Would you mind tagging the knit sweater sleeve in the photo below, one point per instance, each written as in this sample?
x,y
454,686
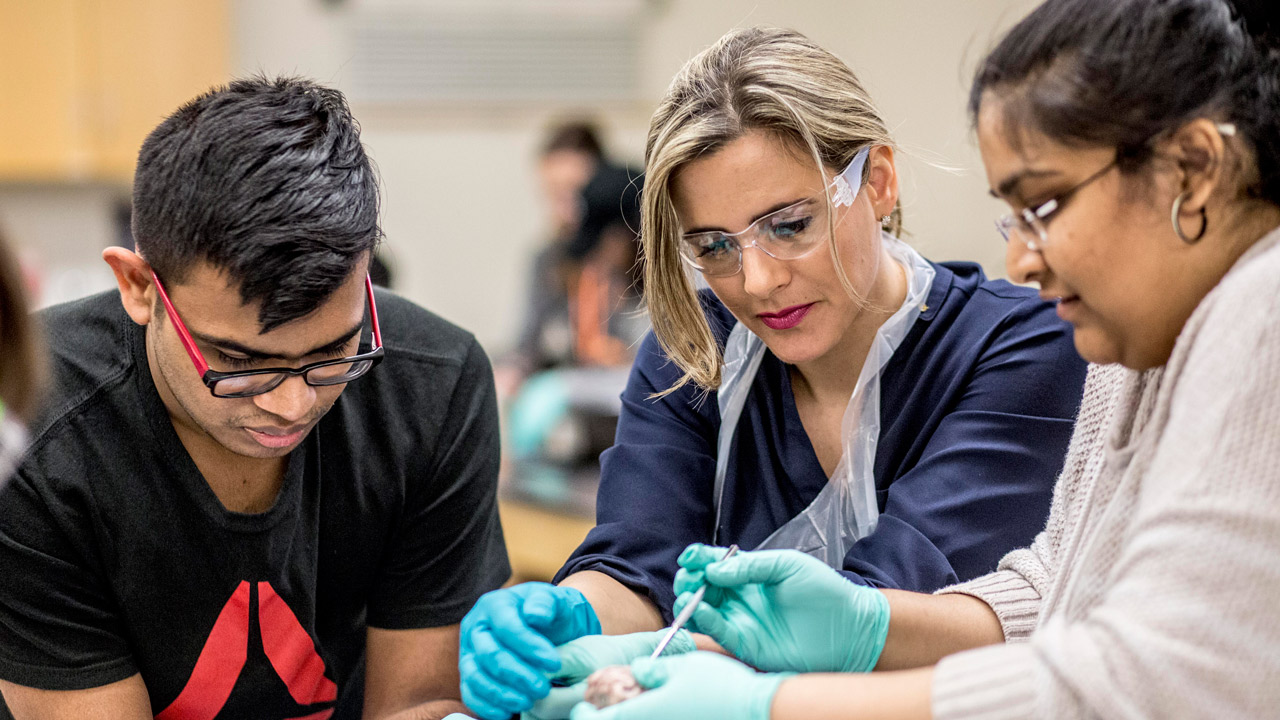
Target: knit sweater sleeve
x,y
1181,623
1014,590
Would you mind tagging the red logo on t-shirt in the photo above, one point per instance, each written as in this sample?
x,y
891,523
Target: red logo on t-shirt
x,y
288,646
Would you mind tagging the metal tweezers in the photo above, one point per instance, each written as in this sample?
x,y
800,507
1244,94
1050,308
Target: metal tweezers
x,y
687,612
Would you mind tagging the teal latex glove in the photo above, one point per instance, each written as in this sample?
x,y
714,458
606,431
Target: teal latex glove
x,y
784,610
699,685
508,644
557,704
579,658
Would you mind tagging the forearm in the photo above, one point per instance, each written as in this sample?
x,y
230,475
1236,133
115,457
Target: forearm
x,y
433,710
903,695
620,609
411,674
923,629
123,700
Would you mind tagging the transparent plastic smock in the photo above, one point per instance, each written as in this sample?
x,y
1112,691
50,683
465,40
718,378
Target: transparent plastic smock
x,y
846,510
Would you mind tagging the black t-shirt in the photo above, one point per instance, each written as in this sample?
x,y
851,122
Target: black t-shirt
x,y
117,558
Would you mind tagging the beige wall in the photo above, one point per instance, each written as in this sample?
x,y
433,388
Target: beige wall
x,y
60,231
916,58
461,208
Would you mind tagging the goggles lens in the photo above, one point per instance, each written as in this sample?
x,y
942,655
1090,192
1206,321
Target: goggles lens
x,y
787,234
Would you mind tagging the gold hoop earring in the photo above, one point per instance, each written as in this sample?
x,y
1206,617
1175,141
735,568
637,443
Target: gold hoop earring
x,y
1177,225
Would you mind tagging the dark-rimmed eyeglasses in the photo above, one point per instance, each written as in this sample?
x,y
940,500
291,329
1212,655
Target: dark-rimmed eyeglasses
x,y
248,383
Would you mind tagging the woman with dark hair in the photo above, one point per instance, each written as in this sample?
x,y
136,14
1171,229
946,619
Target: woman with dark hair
x,y
19,365
1138,145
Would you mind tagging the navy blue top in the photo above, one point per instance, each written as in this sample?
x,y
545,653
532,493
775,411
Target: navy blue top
x,y
976,409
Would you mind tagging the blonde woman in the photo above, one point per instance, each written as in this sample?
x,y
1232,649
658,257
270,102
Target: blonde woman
x,y
832,391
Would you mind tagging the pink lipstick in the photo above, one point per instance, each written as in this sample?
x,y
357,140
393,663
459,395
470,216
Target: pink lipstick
x,y
786,318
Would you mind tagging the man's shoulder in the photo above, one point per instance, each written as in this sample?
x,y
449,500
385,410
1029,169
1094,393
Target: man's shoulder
x,y
91,343
78,327
413,334
428,362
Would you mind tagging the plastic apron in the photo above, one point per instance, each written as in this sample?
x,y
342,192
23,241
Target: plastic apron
x,y
846,510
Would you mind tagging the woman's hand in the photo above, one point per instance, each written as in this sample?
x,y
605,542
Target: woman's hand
x,y
579,658
695,685
784,610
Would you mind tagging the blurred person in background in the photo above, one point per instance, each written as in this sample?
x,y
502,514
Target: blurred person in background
x,y
20,367
568,159
832,391
583,317
592,207
260,488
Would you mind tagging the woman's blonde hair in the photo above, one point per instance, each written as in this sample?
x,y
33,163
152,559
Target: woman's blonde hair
x,y
756,79
20,367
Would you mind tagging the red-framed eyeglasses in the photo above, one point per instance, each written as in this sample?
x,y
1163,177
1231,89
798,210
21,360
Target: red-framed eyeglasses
x,y
256,382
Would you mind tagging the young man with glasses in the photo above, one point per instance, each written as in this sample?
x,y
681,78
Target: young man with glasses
x,y
260,489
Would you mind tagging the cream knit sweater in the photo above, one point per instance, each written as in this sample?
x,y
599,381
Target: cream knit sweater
x,y
1154,590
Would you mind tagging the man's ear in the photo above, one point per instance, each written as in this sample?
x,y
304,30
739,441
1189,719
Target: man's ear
x,y
133,275
882,180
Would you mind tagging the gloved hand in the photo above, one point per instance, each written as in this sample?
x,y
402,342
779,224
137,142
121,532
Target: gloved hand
x,y
784,610
509,641
579,658
557,704
699,685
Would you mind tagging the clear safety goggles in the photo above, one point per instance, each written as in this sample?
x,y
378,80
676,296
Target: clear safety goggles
x,y
787,234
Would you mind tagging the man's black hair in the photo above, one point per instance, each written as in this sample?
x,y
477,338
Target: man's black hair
x,y
266,180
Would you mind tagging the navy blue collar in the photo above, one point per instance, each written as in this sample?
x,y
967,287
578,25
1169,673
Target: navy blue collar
x,y
942,280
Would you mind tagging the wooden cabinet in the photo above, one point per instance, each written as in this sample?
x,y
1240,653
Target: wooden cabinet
x,y
82,82
539,539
